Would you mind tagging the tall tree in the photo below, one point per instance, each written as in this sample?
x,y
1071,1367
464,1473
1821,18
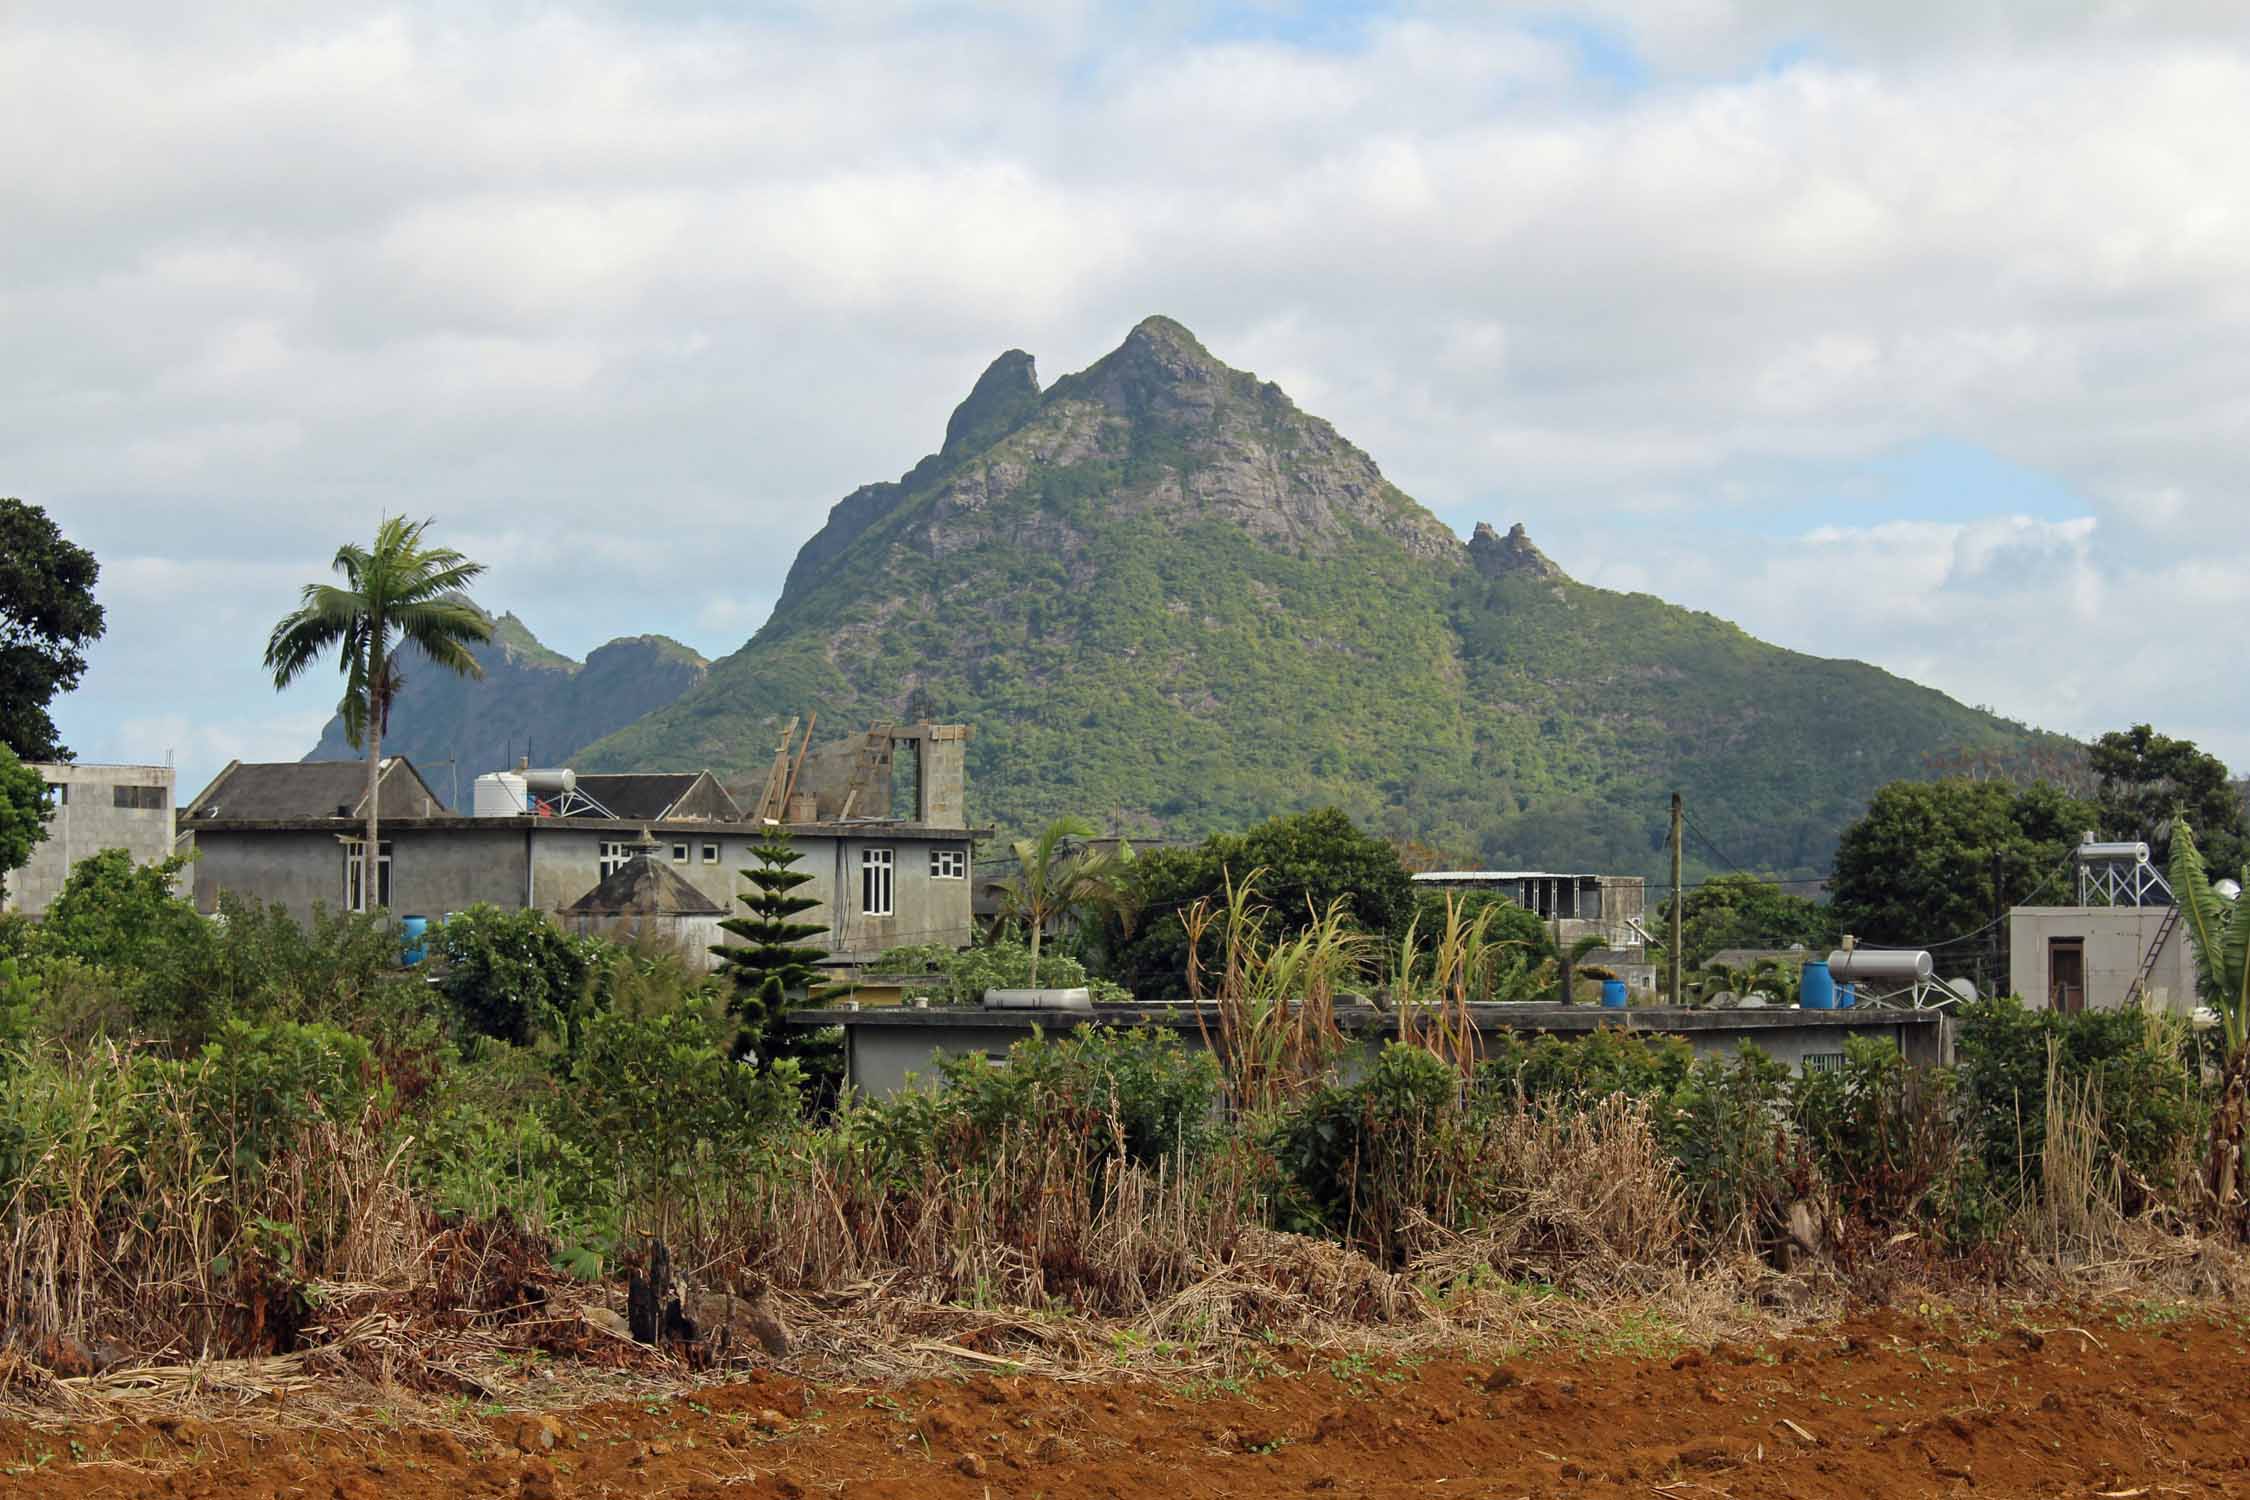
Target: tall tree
x,y
1743,911
1052,883
772,959
48,618
2147,778
23,814
396,593
1930,860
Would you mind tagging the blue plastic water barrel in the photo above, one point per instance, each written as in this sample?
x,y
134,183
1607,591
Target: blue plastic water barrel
x,y
1818,989
1847,996
1613,994
413,940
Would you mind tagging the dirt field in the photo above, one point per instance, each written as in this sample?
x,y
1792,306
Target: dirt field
x,y
2133,1404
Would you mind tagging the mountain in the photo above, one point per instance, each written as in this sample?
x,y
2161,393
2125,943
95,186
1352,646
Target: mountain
x,y
1172,602
531,701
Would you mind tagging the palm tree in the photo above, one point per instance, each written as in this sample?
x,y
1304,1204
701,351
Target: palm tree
x,y
1051,884
395,593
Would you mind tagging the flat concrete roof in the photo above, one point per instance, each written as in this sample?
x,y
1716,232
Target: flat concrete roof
x,y
518,822
1184,1016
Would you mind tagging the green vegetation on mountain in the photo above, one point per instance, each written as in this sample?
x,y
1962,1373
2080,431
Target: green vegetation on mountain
x,y
1172,602
531,700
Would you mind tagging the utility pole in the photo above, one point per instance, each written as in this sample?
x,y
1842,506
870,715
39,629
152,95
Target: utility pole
x,y
1679,818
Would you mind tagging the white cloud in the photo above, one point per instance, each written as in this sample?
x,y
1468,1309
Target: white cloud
x,y
628,298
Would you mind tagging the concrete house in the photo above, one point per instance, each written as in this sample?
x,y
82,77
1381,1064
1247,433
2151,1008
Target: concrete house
x,y
1609,907
2122,944
546,840
92,808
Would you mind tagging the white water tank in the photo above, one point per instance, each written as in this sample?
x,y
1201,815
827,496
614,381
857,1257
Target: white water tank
x,y
1879,963
498,794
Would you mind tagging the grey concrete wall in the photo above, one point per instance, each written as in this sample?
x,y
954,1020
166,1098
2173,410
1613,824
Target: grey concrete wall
x,y
437,870
432,872
883,1050
2116,938
88,820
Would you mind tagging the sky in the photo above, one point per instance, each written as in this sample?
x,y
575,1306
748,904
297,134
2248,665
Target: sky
x,y
1908,331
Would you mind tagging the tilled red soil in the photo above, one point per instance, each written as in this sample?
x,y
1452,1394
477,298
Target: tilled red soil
x,y
2110,1405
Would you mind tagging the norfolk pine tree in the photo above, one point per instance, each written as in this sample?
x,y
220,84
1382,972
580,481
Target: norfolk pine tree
x,y
770,961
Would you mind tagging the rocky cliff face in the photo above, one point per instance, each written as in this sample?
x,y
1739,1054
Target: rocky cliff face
x,y
530,701
1171,601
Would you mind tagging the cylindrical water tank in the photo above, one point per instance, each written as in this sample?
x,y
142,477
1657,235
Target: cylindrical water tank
x,y
2138,853
413,940
551,782
1613,994
1817,989
1880,963
497,794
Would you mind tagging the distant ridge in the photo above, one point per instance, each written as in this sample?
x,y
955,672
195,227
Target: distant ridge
x,y
531,700
1172,601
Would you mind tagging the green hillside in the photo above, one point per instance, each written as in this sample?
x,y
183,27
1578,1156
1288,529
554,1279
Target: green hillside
x,y
1171,601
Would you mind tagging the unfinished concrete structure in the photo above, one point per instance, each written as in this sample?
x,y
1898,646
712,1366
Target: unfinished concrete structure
x,y
1610,908
881,882
92,808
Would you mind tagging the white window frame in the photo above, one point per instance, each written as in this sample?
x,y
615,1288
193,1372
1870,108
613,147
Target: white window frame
x,y
877,889
616,854
949,862
354,874
679,851
711,853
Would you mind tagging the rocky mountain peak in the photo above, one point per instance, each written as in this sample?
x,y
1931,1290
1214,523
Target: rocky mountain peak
x,y
1512,556
1002,397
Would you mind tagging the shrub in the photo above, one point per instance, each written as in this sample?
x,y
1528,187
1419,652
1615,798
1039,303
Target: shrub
x,y
1581,1071
1369,1159
1725,1128
1002,964
256,1087
654,1104
514,975
1884,1136
2153,1105
1140,1091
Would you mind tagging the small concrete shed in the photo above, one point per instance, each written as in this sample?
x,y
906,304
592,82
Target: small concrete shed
x,y
645,898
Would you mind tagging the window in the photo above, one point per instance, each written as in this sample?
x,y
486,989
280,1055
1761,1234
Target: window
x,y
679,854
355,870
58,794
949,864
139,798
1824,1062
875,882
710,854
616,854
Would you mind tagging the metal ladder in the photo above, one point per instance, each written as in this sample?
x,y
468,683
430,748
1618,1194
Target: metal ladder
x,y
2135,991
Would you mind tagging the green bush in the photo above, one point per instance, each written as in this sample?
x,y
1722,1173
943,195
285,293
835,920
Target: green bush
x,y
256,1087
1100,1085
1885,1136
2154,1106
1578,1071
1002,964
1725,1127
1367,1159
654,1103
514,975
